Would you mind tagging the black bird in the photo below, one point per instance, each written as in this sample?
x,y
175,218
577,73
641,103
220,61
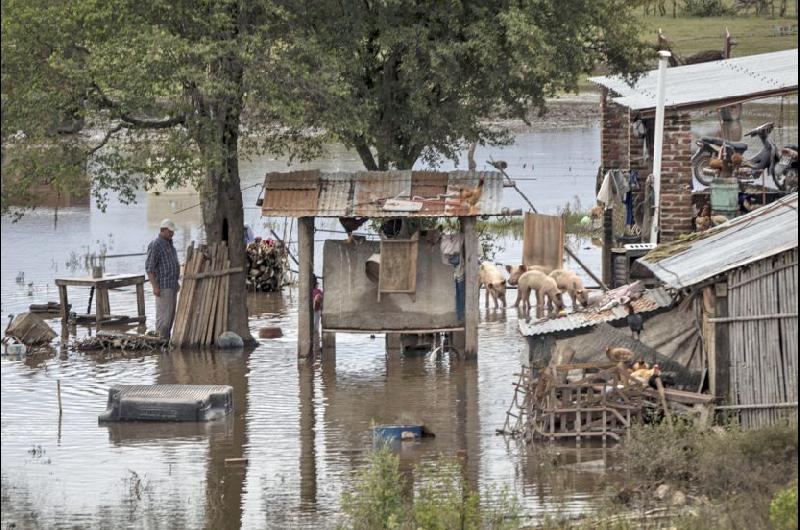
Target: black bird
x,y
635,322
351,224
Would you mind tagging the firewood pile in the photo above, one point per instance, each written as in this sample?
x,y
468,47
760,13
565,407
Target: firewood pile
x,y
604,403
267,263
111,340
202,312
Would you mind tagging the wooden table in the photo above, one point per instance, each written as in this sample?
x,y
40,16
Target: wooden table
x,y
101,287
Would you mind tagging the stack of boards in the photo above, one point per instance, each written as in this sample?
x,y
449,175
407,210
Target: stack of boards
x,y
202,313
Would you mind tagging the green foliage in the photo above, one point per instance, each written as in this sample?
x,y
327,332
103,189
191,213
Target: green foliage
x,y
442,499
134,93
376,500
403,80
783,509
706,8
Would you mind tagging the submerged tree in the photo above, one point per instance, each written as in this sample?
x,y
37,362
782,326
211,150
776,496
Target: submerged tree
x,y
401,80
169,90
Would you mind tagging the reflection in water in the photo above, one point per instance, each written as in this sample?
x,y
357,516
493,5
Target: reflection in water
x,y
223,483
308,454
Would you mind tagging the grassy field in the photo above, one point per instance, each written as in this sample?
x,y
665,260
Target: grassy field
x,y
690,35
753,34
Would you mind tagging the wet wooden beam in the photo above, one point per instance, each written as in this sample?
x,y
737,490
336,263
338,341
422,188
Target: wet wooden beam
x,y
471,287
305,310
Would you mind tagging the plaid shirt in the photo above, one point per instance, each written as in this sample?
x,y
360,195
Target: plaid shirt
x,y
162,259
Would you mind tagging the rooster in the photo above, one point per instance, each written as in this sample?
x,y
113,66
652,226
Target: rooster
x,y
647,376
635,322
351,224
471,196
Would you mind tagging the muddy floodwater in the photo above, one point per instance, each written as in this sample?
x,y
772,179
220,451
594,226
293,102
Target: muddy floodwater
x,y
303,429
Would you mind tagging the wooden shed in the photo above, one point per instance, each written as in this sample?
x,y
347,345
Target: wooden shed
x,y
415,289
744,273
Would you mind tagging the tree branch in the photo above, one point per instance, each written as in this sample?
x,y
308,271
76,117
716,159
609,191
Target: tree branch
x,y
366,155
111,132
132,122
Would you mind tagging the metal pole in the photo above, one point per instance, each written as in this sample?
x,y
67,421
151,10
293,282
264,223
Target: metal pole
x,y
658,142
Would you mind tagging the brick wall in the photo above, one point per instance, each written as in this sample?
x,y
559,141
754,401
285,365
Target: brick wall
x,y
676,176
614,133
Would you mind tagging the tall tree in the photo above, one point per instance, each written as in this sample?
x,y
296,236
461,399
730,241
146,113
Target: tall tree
x,y
166,90
402,79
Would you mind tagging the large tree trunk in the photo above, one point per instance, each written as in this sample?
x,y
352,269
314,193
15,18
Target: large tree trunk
x,y
223,216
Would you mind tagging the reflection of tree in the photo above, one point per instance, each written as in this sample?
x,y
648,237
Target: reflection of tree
x,y
223,485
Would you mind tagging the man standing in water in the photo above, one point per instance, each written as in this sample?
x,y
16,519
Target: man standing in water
x,y
163,271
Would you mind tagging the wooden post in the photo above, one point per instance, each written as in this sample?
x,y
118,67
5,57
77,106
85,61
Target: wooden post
x,y
305,310
140,300
722,354
102,305
58,390
471,291
62,296
608,243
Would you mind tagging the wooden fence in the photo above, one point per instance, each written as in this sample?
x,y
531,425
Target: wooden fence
x,y
762,320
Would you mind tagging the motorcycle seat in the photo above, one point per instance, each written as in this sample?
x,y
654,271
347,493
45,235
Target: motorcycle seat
x,y
739,147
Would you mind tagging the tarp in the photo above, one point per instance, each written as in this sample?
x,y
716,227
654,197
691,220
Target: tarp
x,y
543,241
671,339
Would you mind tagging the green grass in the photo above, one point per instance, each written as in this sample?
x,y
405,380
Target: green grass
x,y
689,35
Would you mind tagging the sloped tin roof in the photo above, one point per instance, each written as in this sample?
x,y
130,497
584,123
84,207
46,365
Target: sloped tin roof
x,y
759,234
715,81
436,194
651,300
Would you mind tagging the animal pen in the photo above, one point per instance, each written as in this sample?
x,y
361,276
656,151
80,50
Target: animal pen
x,y
569,389
408,281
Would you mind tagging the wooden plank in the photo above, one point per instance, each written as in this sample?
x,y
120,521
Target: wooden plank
x,y
185,296
140,299
215,273
747,318
214,281
117,280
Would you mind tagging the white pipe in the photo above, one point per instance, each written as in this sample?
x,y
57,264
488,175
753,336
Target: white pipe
x,y
658,143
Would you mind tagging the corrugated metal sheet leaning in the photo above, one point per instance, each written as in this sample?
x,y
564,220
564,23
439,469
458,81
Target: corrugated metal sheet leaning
x,y
651,300
687,86
761,233
317,194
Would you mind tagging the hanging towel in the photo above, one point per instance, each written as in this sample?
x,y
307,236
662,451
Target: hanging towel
x,y
605,193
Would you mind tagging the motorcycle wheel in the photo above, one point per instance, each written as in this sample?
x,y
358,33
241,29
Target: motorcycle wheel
x,y
699,165
787,180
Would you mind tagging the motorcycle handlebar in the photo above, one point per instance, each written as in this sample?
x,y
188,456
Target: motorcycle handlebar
x,y
767,127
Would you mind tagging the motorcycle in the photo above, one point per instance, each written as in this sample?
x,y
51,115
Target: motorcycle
x,y
778,164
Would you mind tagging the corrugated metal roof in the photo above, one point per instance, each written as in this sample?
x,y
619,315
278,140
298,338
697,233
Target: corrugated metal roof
x,y
761,233
714,81
651,300
311,193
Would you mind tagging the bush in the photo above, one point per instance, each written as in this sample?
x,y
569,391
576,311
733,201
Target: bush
x,y
783,509
443,500
706,8
376,501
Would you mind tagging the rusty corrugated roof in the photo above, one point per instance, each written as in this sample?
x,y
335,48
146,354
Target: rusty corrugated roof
x,y
316,194
651,300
